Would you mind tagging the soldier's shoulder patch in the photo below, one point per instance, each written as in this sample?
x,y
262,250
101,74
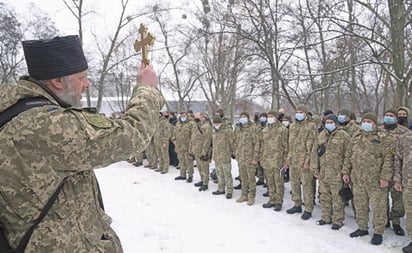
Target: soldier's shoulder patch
x,y
96,120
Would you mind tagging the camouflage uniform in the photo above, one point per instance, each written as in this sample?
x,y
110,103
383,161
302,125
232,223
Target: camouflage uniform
x,y
368,160
222,151
351,128
201,148
403,174
328,167
396,210
273,153
301,138
161,143
151,153
245,139
42,146
182,136
260,172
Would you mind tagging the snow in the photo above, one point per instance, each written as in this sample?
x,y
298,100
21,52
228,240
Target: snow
x,y
154,213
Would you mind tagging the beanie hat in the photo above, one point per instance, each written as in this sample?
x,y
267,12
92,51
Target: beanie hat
x,y
217,119
302,108
53,58
273,113
345,112
327,112
370,115
332,117
244,114
391,111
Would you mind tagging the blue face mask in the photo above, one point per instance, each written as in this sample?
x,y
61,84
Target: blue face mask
x,y
271,121
183,119
341,118
243,121
330,127
262,119
389,120
299,116
367,127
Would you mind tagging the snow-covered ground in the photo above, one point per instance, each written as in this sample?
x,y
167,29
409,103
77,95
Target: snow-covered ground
x,y
153,213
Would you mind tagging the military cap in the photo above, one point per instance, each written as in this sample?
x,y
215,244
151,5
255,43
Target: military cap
x,y
53,58
274,113
370,115
303,108
332,117
217,119
244,114
391,111
345,112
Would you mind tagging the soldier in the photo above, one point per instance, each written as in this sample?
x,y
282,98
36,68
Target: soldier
x,y
259,170
369,165
286,121
273,153
326,163
245,141
347,123
172,154
222,151
403,116
201,148
181,137
161,141
396,211
55,147
226,121
302,134
403,178
151,154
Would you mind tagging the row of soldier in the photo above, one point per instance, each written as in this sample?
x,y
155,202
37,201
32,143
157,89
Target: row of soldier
x,y
335,150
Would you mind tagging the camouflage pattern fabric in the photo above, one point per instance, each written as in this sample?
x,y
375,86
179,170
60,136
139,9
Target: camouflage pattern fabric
x,y
368,159
42,146
161,143
403,173
201,148
352,128
301,138
328,167
273,153
222,151
182,136
151,154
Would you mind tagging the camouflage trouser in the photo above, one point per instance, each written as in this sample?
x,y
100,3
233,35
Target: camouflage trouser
x,y
260,173
203,167
304,177
186,164
138,157
397,210
363,195
224,177
151,155
247,177
407,201
331,204
162,152
275,185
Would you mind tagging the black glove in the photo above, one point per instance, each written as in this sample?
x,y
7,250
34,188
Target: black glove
x,y
233,156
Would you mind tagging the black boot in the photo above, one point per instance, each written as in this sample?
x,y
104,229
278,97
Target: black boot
x,y
376,239
278,207
407,249
260,182
336,226
189,180
198,184
398,229
306,215
180,178
268,205
203,188
295,209
266,194
218,192
238,187
358,233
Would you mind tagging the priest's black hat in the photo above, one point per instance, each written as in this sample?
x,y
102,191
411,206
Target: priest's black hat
x,y
53,58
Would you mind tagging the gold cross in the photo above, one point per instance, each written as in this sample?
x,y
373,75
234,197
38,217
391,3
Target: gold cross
x,y
146,39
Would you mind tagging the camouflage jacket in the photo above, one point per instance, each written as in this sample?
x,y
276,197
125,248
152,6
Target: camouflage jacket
x,y
368,158
351,128
42,146
164,132
301,138
274,145
403,160
328,154
182,135
201,139
222,145
393,134
245,138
